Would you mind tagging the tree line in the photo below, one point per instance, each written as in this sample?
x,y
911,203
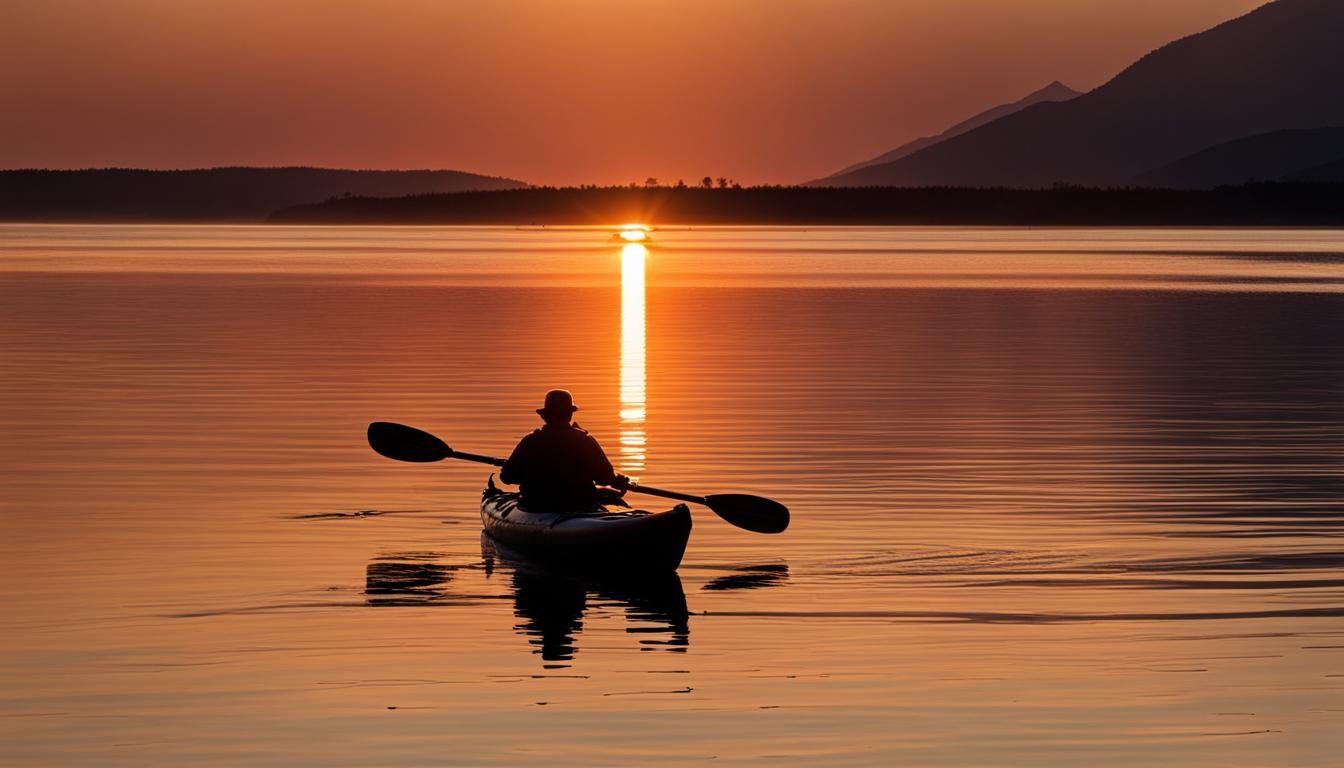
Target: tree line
x,y
1256,204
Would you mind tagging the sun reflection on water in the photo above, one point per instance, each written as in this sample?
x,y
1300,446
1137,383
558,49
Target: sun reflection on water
x,y
633,453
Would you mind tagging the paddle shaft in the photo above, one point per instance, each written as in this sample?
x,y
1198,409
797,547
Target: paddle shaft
x,y
636,487
476,457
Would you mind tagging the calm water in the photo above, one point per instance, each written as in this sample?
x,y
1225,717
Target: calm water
x,y
1059,497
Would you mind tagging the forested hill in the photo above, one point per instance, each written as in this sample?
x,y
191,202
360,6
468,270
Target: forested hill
x,y
1247,205
208,194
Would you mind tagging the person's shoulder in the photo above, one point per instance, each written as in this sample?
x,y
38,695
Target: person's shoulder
x,y
579,435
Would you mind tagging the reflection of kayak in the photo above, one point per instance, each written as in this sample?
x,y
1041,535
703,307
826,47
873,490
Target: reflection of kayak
x,y
601,537
552,602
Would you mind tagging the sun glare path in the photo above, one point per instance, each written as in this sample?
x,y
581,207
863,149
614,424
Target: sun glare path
x,y
633,448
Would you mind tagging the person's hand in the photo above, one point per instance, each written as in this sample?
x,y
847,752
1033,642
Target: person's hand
x,y
622,483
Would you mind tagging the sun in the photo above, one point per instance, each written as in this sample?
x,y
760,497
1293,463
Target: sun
x,y
634,233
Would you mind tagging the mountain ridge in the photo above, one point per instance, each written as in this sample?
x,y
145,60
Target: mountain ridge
x,y
1276,67
1325,173
1276,155
1055,91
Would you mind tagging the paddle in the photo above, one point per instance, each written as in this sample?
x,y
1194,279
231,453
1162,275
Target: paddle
x,y
752,513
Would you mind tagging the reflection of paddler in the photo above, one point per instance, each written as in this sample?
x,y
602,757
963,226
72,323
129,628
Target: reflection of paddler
x,y
658,598
552,610
552,604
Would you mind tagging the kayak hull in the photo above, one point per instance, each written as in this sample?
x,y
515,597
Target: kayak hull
x,y
602,538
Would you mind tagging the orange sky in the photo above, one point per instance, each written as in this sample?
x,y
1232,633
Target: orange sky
x,y
604,91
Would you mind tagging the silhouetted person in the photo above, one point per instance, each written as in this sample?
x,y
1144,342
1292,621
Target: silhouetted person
x,y
559,466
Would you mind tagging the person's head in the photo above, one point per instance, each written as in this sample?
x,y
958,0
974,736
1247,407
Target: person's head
x,y
559,407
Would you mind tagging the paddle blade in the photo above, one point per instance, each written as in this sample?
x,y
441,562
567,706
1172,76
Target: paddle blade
x,y
403,443
753,513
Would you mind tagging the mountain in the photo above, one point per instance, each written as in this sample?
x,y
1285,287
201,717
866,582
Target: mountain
x,y
1326,172
208,194
1264,157
1274,68
1055,91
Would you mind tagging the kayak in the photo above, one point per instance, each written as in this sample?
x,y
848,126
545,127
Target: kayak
x,y
601,537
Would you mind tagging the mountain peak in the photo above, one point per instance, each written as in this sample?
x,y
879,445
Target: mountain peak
x,y
1273,68
1055,91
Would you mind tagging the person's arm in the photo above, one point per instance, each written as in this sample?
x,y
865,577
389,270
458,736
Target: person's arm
x,y
602,471
514,469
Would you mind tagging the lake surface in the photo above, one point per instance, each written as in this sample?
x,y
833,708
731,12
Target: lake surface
x,y
1059,497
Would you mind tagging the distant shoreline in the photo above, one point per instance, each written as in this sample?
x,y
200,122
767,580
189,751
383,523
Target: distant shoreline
x,y
241,197
1256,204
229,195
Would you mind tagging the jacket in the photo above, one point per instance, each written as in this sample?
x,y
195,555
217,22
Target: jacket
x,y
558,466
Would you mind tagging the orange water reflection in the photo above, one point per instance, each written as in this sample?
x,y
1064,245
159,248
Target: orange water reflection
x,y
1103,522
633,455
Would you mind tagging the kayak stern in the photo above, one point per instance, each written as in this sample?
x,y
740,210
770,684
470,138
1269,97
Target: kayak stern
x,y
599,538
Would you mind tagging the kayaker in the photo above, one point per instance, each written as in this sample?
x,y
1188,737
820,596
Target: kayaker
x,y
560,465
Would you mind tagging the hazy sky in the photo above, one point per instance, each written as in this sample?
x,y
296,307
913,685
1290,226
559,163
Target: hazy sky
x,y
541,90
